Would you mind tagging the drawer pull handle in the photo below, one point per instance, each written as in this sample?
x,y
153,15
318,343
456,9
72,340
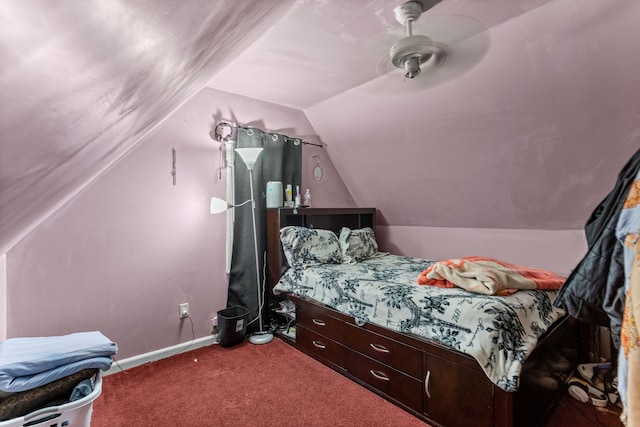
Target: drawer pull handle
x,y
380,348
379,375
319,344
426,383
318,322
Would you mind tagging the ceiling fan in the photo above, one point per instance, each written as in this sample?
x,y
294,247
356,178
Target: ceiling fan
x,y
451,46
414,50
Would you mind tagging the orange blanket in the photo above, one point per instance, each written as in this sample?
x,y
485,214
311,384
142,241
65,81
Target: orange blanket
x,y
488,276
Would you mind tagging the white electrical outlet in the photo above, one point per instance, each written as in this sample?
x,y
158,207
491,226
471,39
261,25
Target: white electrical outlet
x,y
214,325
184,310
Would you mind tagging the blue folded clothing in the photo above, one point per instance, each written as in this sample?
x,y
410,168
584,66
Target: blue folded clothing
x,y
85,388
27,363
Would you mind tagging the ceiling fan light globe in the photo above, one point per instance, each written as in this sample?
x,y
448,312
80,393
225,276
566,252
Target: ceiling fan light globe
x,y
412,67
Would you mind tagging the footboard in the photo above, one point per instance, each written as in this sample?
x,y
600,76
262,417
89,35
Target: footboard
x,y
439,385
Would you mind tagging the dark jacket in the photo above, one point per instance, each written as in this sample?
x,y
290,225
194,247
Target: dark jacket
x,y
594,291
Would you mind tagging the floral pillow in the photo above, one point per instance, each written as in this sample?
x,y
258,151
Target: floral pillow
x,y
309,246
358,245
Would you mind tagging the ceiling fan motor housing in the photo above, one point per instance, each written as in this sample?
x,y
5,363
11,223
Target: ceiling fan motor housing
x,y
412,51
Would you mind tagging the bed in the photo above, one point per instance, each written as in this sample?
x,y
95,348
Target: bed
x,y
448,356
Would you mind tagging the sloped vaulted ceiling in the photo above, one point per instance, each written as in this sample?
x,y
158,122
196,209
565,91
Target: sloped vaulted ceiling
x,y
323,48
540,124
531,135
83,81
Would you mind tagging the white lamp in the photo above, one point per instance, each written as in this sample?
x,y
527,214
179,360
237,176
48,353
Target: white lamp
x,y
249,157
219,205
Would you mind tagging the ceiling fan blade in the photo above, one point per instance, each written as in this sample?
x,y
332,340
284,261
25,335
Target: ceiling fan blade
x,y
448,29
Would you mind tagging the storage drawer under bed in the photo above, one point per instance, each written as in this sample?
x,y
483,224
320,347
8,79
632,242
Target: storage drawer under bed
x,y
340,328
316,344
382,349
317,319
390,381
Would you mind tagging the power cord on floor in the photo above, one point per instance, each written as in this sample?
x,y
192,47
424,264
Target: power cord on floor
x,y
193,338
288,325
118,365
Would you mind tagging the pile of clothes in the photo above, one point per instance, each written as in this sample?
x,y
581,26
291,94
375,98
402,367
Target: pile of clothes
x,y
39,372
599,289
596,384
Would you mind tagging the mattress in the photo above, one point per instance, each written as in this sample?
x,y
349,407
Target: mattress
x,y
500,332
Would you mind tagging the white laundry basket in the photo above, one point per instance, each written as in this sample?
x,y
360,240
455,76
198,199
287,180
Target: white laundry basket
x,y
72,414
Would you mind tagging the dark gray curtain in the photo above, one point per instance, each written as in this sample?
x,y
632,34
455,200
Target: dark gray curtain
x,y
280,160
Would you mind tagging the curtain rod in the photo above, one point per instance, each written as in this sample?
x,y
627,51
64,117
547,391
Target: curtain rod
x,y
221,138
312,143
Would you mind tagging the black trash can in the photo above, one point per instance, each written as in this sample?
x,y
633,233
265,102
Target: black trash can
x,y
232,325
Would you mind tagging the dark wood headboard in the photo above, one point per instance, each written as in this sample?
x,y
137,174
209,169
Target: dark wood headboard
x,y
325,218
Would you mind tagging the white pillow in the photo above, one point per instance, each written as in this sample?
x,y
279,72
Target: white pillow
x,y
357,245
304,246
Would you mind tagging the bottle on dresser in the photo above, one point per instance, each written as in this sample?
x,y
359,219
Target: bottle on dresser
x,y
298,200
306,199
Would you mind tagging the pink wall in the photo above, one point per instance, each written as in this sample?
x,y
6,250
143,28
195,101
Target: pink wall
x,y
123,254
555,250
3,297
507,160
532,138
330,190
87,81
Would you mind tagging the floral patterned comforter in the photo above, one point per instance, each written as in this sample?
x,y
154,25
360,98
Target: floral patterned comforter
x,y
498,331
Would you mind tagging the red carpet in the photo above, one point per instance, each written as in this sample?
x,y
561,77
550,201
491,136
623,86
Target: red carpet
x,y
265,385
245,385
570,412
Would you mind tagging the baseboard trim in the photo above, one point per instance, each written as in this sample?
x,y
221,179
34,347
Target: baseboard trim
x,y
163,353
